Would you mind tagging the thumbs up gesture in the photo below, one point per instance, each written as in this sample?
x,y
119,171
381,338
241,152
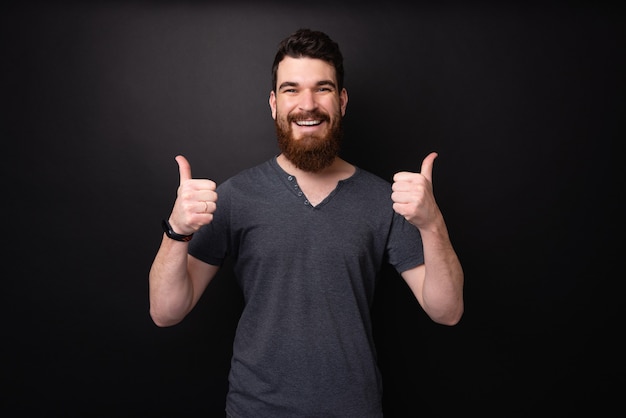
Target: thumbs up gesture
x,y
195,201
412,194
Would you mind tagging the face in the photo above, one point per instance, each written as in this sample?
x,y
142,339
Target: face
x,y
307,109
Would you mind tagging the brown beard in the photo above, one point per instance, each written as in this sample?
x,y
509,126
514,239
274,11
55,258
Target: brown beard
x,y
310,153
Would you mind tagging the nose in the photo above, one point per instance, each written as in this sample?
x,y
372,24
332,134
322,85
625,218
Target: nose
x,y
307,101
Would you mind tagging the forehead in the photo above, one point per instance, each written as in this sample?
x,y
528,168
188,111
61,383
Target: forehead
x,y
303,70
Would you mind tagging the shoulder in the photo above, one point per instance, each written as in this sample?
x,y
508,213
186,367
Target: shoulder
x,y
368,179
250,177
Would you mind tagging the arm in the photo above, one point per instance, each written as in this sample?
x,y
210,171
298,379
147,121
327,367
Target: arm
x,y
176,279
438,283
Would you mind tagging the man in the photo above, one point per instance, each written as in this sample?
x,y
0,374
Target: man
x,y
308,233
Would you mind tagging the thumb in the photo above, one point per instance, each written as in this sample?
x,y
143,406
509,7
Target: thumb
x,y
184,169
427,166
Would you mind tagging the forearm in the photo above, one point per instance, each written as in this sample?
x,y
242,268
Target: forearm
x,y
171,289
442,290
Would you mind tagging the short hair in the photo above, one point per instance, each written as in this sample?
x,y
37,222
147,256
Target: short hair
x,y
311,44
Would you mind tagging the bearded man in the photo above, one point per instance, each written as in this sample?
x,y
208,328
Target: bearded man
x,y
308,233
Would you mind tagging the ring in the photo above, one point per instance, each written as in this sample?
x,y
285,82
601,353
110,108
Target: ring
x,y
206,207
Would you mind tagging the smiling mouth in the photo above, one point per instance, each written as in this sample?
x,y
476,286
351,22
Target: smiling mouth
x,y
308,122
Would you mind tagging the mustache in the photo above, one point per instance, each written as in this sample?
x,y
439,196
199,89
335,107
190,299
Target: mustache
x,y
317,115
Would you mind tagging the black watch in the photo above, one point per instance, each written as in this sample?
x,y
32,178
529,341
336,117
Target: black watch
x,y
167,228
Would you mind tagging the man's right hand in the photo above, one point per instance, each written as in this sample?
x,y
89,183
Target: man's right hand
x,y
195,202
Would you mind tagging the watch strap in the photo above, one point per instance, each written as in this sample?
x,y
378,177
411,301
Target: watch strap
x,y
167,228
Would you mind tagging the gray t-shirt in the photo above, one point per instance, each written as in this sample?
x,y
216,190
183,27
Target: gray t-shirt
x,y
304,344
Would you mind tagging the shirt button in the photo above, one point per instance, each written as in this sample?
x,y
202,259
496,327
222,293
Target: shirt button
x,y
290,178
306,202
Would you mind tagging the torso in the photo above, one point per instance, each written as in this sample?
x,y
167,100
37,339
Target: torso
x,y
308,277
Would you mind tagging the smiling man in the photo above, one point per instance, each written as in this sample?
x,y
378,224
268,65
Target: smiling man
x,y
308,233
308,122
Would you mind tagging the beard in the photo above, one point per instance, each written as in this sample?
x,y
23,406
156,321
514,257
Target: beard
x,y
311,153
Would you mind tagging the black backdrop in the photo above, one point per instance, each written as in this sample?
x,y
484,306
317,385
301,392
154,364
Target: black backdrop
x,y
521,102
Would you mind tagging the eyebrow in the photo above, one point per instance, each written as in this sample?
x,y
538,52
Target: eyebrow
x,y
319,83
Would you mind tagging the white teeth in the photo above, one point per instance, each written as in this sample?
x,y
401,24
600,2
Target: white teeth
x,y
308,122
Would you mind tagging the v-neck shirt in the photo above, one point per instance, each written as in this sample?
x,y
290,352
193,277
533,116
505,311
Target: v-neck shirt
x,y
304,341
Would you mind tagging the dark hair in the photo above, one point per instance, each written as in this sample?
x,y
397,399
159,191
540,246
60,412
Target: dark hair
x,y
311,44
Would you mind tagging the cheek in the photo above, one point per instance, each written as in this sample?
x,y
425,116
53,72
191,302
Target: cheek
x,y
280,111
334,107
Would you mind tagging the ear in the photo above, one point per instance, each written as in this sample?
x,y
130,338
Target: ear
x,y
272,102
343,101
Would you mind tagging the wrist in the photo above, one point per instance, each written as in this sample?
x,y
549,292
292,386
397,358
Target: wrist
x,y
170,233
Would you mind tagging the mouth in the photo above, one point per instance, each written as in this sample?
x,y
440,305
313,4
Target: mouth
x,y
308,119
308,122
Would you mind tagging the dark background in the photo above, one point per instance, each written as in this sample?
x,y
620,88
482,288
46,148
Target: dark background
x,y
523,102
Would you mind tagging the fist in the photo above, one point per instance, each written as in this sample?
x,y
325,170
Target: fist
x,y
412,194
196,200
